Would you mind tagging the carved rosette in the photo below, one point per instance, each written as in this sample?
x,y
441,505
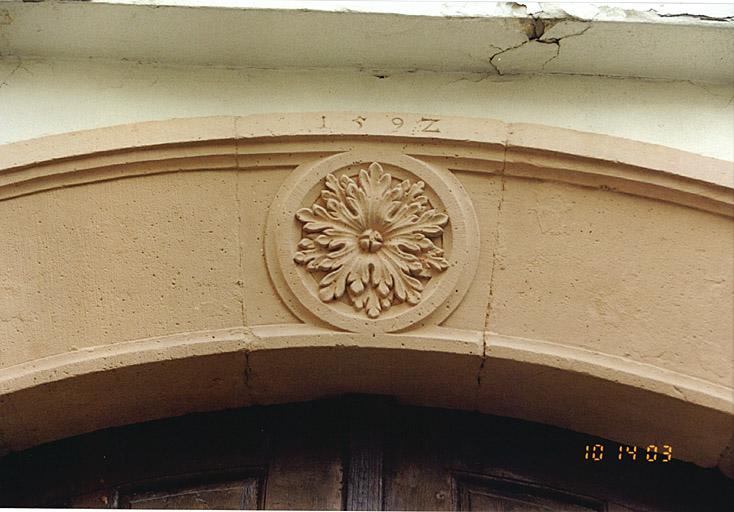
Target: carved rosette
x,y
371,241
374,240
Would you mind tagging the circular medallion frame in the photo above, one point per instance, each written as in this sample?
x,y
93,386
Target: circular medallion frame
x,y
299,289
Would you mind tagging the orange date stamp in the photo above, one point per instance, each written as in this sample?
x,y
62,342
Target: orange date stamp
x,y
651,453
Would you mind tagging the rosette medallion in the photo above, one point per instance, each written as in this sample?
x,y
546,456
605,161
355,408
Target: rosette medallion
x,y
374,237
371,244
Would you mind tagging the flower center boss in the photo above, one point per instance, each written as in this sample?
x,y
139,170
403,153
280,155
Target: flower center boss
x,y
373,241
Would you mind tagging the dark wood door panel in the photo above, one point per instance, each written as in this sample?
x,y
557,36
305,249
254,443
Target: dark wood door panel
x,y
299,447
428,450
228,490
479,492
350,453
236,495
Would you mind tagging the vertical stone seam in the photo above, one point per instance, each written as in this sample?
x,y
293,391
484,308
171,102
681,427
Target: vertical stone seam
x,y
247,371
238,202
498,225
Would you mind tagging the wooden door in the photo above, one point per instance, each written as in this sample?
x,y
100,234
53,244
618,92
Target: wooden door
x,y
353,453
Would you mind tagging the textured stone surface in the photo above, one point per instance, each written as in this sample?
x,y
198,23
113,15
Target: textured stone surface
x,y
134,282
118,260
255,191
645,280
485,191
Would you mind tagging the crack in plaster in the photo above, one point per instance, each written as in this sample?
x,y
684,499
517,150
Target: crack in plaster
x,y
499,53
701,86
610,12
534,29
558,52
386,73
533,18
495,249
557,41
4,81
701,17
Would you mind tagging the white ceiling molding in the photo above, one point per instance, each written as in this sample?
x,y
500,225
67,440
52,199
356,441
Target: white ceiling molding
x,y
507,39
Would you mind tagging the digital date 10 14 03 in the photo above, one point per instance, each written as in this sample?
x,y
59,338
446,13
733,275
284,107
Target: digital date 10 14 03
x,y
650,453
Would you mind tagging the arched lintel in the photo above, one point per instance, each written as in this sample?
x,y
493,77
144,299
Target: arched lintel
x,y
121,382
148,379
226,142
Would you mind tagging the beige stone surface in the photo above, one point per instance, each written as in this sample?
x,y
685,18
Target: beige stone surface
x,y
116,261
544,146
437,366
121,396
255,191
485,191
645,280
134,273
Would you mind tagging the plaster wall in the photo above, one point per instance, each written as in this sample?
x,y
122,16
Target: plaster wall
x,y
40,97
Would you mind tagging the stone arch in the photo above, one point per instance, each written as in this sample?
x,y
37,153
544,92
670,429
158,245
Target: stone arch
x,y
594,291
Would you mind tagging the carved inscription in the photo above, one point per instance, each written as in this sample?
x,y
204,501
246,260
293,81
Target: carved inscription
x,y
428,125
397,124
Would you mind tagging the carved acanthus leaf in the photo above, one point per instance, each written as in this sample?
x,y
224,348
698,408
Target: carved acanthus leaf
x,y
371,240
